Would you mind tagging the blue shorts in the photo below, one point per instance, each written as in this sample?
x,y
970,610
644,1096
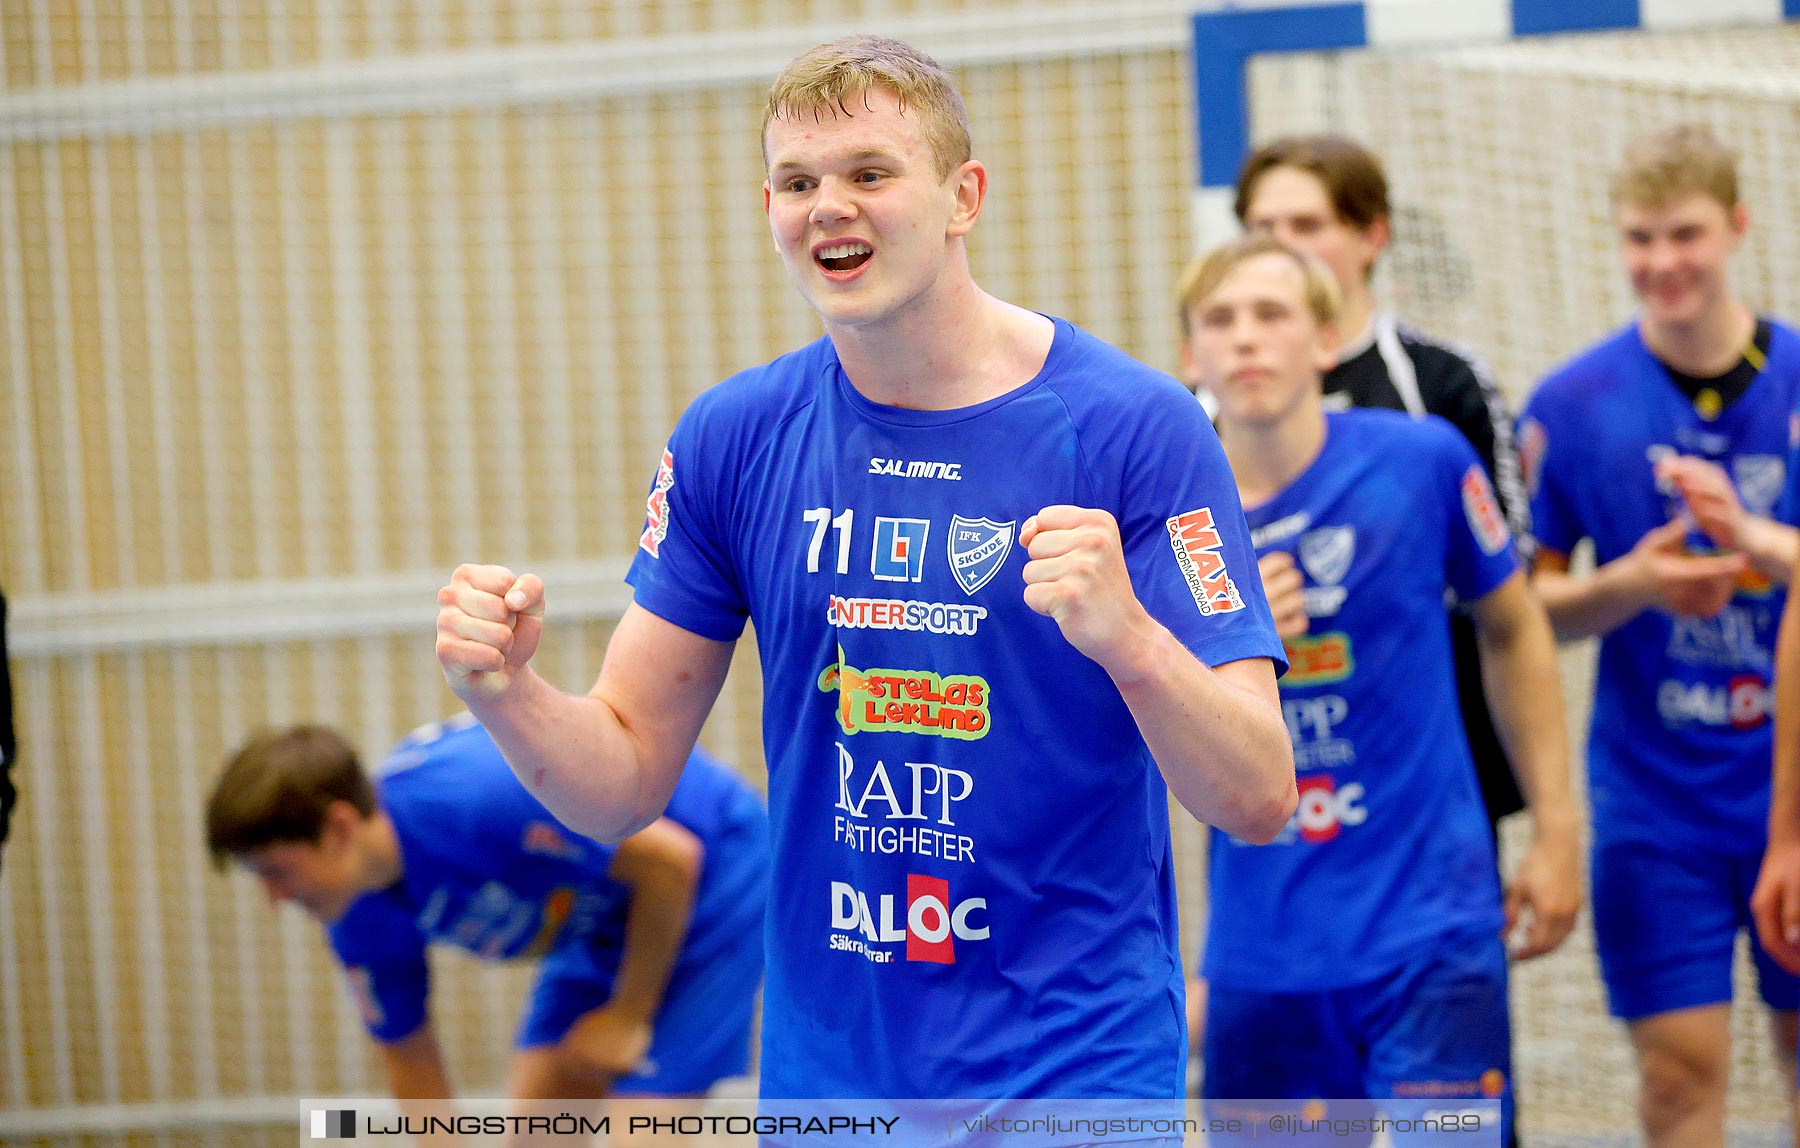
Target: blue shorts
x,y
1666,923
702,1031
1436,1028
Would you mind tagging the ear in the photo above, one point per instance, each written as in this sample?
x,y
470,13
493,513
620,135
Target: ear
x,y
971,181
1375,239
1328,344
1190,366
1740,222
343,825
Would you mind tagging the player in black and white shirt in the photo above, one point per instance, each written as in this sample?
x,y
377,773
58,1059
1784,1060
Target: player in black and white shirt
x,y
1327,195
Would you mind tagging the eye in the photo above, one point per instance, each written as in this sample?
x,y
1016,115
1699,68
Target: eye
x,y
869,175
1308,225
1270,312
797,183
1216,317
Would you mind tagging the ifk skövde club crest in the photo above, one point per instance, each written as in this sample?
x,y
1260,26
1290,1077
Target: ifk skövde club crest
x,y
978,548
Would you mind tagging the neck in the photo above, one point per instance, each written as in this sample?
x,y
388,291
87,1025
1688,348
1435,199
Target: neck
x,y
1267,456
381,863
956,347
1709,345
1355,312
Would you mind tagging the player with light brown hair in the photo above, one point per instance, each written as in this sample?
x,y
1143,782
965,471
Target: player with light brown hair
x,y
1005,605
1665,445
1361,954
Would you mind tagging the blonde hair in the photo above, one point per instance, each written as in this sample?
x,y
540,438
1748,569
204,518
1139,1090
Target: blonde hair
x,y
1203,276
1673,163
833,74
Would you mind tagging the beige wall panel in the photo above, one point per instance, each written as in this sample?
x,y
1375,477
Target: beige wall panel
x,y
92,40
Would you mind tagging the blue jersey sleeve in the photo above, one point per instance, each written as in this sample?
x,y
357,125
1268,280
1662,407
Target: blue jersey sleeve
x,y
1787,508
383,954
1187,546
1479,552
1546,455
682,571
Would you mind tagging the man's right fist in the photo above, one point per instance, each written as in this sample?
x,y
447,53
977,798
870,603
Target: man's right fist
x,y
488,624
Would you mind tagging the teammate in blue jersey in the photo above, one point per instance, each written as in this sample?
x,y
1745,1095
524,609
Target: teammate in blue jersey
x,y
1664,446
1362,954
1003,592
650,949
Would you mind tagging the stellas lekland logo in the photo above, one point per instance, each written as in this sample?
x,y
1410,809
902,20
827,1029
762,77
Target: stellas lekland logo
x,y
908,701
333,1124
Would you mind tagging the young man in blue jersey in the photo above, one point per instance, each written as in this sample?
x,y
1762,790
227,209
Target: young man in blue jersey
x,y
1664,445
1327,195
1003,593
649,951
1362,955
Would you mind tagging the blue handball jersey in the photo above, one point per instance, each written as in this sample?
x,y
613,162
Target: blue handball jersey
x,y
973,892
1679,747
489,869
1390,849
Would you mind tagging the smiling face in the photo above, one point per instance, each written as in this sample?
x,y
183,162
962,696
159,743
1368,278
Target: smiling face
x,y
1677,255
1254,342
860,216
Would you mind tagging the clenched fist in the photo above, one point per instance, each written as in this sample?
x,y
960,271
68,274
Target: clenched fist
x,y
488,624
1285,589
1077,576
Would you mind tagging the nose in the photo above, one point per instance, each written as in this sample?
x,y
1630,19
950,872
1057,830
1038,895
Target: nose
x,y
832,203
1662,256
1243,330
1280,230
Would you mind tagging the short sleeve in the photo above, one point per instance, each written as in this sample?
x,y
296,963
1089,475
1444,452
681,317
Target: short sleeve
x,y
682,571
383,954
1479,550
1186,543
1544,455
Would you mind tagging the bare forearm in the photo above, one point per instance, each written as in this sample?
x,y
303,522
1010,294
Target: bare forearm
x,y
655,926
420,1084
573,754
1772,547
1784,798
1519,676
1590,605
1223,750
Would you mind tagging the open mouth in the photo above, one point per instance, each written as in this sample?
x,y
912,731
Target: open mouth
x,y
844,256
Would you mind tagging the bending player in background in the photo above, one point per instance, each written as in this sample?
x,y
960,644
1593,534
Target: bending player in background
x,y
1327,195
1362,954
1652,444
999,578
650,950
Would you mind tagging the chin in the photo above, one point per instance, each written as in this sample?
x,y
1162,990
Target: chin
x,y
1684,308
